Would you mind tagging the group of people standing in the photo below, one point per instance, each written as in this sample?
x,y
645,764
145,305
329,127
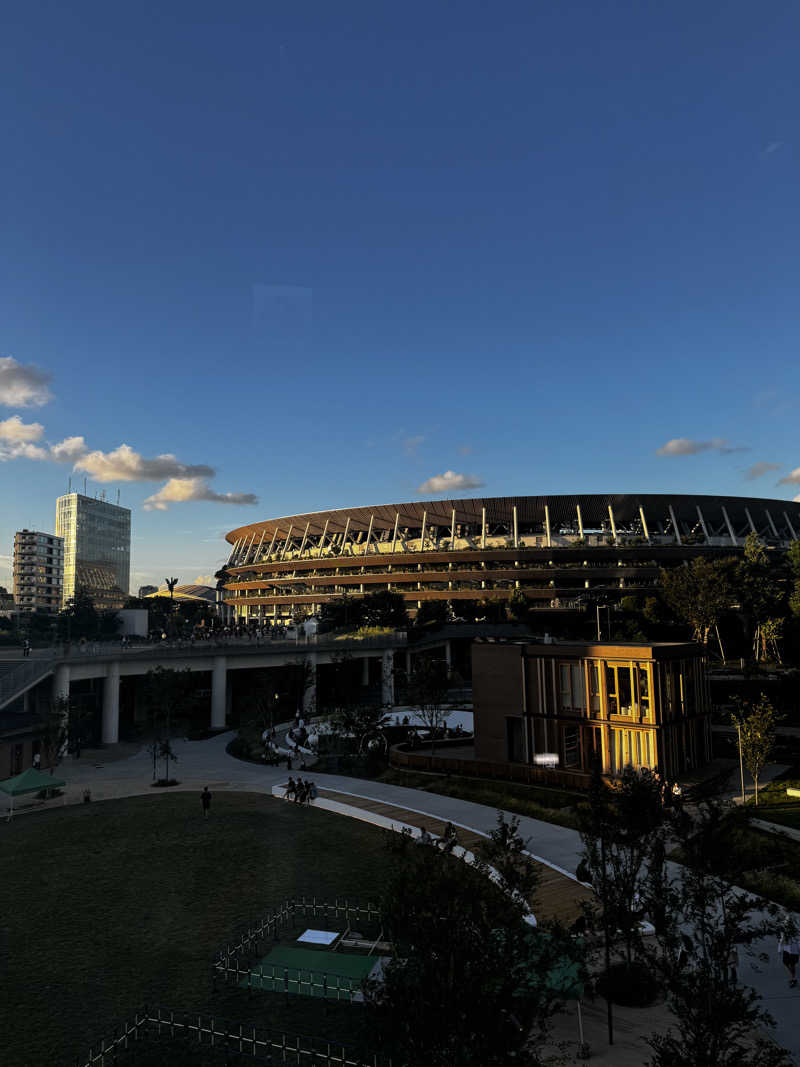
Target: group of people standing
x,y
301,792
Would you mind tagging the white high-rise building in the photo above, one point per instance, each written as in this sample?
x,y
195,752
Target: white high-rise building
x,y
97,549
38,571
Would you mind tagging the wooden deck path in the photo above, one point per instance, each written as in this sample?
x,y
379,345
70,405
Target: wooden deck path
x,y
557,896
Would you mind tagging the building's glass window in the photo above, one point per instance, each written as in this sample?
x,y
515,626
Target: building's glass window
x,y
619,688
572,748
572,687
594,686
643,678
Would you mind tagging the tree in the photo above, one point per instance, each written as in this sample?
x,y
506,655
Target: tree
x,y
620,831
166,753
518,607
385,608
717,1019
168,693
756,725
759,591
170,583
54,730
505,851
698,594
469,980
80,619
427,691
343,612
432,614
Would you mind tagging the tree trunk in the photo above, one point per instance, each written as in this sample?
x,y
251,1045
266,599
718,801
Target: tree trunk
x,y
719,640
755,780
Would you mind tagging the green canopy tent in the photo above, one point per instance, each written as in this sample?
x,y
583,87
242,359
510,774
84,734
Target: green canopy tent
x,y
30,781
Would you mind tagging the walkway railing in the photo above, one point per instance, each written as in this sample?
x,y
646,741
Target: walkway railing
x,y
238,645
255,1042
14,682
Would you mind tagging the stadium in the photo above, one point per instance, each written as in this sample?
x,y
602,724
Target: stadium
x,y
561,552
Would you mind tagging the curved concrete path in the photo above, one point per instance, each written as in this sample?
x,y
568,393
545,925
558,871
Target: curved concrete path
x,y
203,763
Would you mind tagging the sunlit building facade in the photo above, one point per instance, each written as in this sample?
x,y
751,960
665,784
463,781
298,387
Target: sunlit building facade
x,y
97,549
562,552
38,571
624,705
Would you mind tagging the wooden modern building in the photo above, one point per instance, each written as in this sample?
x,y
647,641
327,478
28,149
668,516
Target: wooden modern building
x,y
643,705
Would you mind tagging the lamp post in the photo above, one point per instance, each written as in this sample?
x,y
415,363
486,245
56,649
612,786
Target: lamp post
x,y
741,761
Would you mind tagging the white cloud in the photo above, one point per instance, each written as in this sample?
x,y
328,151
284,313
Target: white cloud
x,y
684,446
14,430
773,146
125,465
205,579
792,478
450,482
180,490
758,470
22,386
68,450
796,499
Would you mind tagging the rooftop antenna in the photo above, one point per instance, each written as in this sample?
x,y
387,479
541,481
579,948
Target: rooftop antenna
x,y
118,498
84,487
69,486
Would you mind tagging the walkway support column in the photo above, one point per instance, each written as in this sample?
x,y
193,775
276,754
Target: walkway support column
x,y
219,675
61,682
387,678
110,733
365,671
310,694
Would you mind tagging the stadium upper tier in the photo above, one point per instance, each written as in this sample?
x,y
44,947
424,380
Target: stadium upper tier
x,y
485,547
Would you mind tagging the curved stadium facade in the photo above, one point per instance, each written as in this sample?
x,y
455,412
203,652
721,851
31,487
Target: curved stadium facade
x,y
560,551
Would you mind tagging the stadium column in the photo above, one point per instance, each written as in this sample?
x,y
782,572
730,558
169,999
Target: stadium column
x,y
219,676
111,704
387,677
365,671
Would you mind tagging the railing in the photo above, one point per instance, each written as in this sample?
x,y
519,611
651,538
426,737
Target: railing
x,y
255,1042
401,759
29,671
229,965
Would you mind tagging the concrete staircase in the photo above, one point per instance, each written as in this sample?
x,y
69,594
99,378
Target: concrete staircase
x,y
17,676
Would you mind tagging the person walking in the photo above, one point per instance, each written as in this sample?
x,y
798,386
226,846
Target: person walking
x,y
26,648
789,951
205,800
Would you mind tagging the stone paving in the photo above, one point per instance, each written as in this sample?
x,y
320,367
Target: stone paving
x,y
203,763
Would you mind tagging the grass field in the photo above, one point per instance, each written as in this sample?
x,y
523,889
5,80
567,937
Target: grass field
x,y
106,907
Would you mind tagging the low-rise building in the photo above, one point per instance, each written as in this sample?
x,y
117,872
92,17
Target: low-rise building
x,y
640,705
38,571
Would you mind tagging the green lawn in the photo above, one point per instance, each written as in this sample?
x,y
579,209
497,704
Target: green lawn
x,y
776,806
106,907
537,802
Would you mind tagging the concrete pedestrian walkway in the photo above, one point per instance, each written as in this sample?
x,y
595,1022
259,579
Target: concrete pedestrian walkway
x,y
203,763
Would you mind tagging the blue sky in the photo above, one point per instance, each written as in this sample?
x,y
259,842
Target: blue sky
x,y
322,254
